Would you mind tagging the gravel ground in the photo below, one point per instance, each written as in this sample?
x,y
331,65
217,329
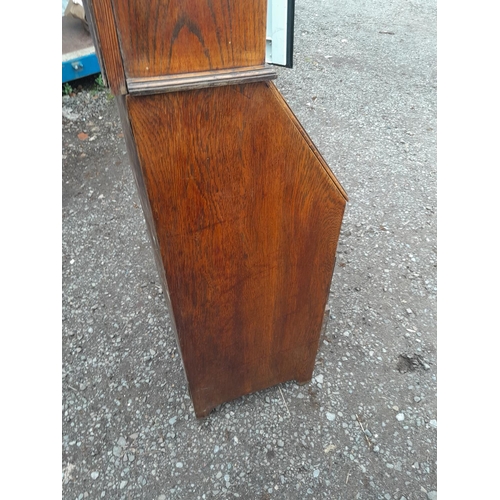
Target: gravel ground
x,y
365,427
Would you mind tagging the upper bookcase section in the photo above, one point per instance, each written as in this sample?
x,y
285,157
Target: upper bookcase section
x,y
168,37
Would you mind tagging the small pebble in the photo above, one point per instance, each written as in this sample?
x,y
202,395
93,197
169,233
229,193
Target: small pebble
x,y
433,423
400,417
432,495
123,484
330,416
94,475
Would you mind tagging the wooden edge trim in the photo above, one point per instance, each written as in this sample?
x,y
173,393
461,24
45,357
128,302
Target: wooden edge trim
x,y
103,30
296,122
193,81
88,8
135,163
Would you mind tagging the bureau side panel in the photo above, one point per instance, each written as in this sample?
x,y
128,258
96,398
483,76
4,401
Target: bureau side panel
x,y
247,222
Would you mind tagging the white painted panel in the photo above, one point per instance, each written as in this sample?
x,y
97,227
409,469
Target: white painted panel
x,y
276,32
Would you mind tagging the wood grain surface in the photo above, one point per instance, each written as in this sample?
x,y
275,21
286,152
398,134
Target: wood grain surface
x,y
200,79
145,202
105,37
164,37
247,218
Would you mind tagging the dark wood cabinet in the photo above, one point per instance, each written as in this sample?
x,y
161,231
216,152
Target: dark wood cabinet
x,y
243,212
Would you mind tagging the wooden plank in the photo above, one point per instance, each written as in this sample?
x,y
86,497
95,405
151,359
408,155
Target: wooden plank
x,y
165,37
193,81
104,34
247,223
135,164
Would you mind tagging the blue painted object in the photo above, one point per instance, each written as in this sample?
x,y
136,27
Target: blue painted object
x,y
79,64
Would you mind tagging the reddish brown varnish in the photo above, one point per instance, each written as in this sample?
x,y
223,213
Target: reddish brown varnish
x,y
183,36
99,14
243,212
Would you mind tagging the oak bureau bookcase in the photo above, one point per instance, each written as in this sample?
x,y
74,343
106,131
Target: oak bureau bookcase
x,y
243,213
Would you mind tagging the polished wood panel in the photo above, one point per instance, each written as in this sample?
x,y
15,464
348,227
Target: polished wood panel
x,y
247,218
130,142
103,31
164,37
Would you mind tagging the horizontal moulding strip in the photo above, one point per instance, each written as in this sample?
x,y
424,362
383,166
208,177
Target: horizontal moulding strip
x,y
192,81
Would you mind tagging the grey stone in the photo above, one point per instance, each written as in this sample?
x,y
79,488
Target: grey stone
x,y
69,114
432,495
